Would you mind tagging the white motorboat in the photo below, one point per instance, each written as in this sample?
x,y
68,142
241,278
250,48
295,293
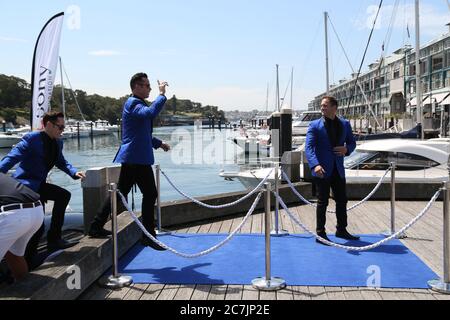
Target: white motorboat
x,y
7,140
416,162
300,126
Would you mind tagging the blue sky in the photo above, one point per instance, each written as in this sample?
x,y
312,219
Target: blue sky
x,y
220,52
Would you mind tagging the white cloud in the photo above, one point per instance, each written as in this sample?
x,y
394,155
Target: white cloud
x,y
8,39
104,53
432,20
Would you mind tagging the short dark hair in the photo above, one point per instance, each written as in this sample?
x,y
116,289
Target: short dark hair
x,y
137,78
52,117
332,100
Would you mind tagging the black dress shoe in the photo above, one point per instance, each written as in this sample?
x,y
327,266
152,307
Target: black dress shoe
x,y
146,242
343,234
60,244
323,235
99,233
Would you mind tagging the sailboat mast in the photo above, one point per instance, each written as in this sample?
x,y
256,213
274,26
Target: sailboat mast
x,y
278,91
62,89
326,53
292,88
418,72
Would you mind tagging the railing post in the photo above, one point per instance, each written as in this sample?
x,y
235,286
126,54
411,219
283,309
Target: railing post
x,y
268,283
115,281
443,285
159,230
276,231
393,204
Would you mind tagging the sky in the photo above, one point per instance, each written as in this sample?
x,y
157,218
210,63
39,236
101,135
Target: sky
x,y
216,52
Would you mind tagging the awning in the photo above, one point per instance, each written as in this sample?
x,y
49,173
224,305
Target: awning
x,y
445,101
435,98
413,101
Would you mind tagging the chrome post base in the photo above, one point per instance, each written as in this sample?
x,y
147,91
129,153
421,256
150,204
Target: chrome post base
x,y
274,284
279,233
112,282
439,286
163,232
389,233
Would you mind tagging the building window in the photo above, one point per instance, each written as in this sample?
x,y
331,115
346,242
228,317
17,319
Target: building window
x,y
397,74
447,59
436,81
437,63
423,67
412,70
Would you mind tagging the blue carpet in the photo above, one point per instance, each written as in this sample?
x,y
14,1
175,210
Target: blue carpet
x,y
296,258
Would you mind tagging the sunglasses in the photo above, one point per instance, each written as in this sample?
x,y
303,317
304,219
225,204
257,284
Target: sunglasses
x,y
60,127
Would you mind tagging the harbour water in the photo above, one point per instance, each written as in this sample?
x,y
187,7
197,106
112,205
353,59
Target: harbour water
x,y
194,163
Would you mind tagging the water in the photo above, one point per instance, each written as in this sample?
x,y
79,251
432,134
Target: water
x,y
193,164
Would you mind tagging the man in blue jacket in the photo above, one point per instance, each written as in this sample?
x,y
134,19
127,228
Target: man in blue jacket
x,y
328,141
136,155
37,154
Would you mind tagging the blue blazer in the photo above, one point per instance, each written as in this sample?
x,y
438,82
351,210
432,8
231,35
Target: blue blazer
x,y
32,170
137,128
319,150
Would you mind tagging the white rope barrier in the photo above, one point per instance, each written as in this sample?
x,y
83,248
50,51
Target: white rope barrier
x,y
220,206
366,248
185,255
331,211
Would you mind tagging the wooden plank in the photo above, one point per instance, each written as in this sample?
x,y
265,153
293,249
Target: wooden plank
x,y
184,292
204,228
234,292
136,292
268,295
217,292
215,227
250,293
318,293
118,294
370,294
286,294
352,293
226,226
95,293
201,292
169,292
152,292
247,227
335,293
301,293
423,294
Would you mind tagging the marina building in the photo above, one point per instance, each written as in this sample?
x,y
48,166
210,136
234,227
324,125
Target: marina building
x,y
389,87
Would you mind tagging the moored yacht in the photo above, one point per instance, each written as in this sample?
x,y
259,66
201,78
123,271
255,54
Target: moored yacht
x,y
416,162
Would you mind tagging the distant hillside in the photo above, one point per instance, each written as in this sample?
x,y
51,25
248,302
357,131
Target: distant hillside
x,y
15,102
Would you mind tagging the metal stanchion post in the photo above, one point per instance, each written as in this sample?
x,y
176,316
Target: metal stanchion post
x,y
393,201
443,285
115,281
159,230
276,231
268,283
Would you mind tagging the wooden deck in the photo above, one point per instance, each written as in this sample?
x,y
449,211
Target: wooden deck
x,y
424,239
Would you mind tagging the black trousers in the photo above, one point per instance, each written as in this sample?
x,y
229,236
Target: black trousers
x,y
61,198
131,174
338,186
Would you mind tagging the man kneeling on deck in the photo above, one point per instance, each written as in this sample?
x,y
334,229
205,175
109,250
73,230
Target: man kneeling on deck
x,y
21,215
